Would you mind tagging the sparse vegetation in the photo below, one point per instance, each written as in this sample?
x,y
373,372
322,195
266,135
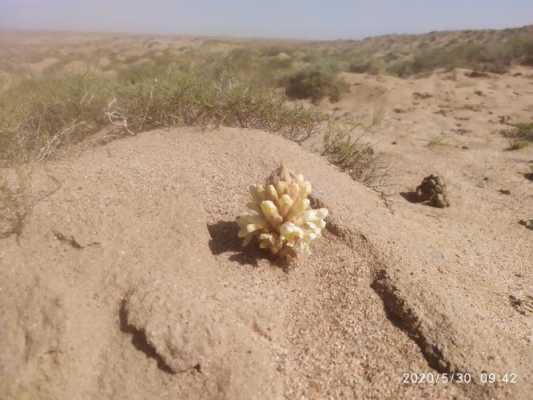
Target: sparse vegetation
x,y
411,55
439,140
523,130
315,84
517,145
352,154
241,87
529,175
41,115
226,83
520,135
360,67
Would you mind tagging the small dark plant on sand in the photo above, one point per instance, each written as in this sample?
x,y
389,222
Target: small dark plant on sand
x,y
520,135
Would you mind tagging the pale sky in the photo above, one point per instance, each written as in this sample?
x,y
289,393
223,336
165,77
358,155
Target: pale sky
x,y
312,19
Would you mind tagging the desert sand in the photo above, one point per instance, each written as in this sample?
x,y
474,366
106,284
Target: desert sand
x,y
122,276
128,281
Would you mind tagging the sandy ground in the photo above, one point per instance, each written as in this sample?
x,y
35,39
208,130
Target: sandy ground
x,y
127,281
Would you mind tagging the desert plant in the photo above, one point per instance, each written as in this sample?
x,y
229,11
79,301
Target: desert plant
x,y
359,67
529,175
282,220
273,51
349,152
370,67
196,98
39,116
494,56
315,84
523,130
439,140
521,49
517,145
520,135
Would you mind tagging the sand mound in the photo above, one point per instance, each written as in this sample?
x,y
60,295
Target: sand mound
x,y
128,281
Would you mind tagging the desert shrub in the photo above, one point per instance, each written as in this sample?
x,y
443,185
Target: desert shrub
x,y
242,58
280,62
352,154
466,55
423,61
411,55
314,84
524,130
360,67
430,59
520,130
194,98
39,116
529,175
520,48
520,135
328,64
401,68
274,51
244,64
391,57
517,144
309,57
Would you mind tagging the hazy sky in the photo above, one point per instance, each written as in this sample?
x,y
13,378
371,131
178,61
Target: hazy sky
x,y
269,18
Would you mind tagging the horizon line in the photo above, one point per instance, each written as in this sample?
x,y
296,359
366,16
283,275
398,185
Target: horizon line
x,y
248,37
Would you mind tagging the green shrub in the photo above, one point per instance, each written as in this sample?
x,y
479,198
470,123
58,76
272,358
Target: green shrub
x,y
521,48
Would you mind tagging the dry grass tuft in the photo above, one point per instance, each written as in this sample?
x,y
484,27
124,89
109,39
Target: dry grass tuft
x,y
352,154
38,116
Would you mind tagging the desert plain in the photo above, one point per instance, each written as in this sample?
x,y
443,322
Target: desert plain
x,y
125,160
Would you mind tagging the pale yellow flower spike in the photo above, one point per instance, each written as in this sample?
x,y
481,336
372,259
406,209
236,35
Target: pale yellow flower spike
x,y
281,217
